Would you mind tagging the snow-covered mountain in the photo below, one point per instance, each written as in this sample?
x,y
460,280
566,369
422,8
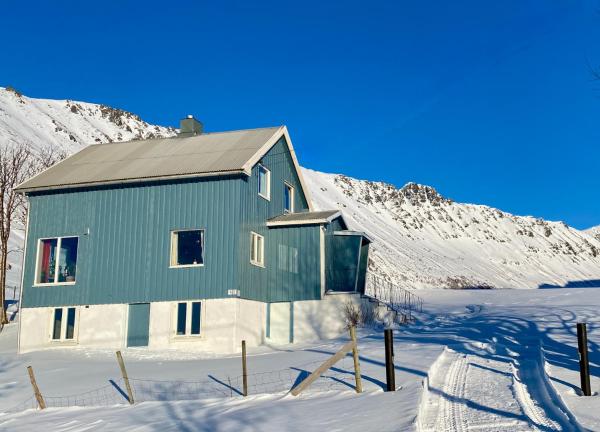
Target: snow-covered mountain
x,y
421,238
65,125
594,232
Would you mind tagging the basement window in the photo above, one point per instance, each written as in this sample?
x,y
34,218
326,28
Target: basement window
x,y
188,318
264,182
187,248
56,261
63,324
257,249
288,198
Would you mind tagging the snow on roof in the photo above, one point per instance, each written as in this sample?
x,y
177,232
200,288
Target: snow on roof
x,y
155,159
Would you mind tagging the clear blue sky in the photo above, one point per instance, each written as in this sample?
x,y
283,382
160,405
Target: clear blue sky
x,y
489,102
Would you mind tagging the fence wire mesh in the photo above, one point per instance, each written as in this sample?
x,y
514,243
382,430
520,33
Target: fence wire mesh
x,y
339,377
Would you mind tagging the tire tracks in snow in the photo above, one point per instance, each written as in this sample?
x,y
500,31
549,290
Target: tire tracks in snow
x,y
487,391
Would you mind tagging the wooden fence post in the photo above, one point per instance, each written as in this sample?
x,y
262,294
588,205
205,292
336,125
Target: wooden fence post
x,y
36,390
584,364
125,377
356,362
244,369
390,371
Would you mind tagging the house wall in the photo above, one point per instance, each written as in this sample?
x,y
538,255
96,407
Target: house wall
x,y
311,320
224,324
124,241
275,282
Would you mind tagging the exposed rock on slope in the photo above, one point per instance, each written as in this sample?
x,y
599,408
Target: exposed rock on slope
x,y
422,238
66,125
426,240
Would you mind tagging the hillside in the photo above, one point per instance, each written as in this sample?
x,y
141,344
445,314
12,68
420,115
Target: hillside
x,y
422,239
594,232
66,125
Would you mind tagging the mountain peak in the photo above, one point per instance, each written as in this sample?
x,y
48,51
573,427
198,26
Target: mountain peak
x,y
418,194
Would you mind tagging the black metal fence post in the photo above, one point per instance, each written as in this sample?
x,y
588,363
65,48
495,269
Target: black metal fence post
x,y
390,371
584,365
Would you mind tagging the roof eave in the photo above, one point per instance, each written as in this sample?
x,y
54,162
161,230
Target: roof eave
x,y
25,190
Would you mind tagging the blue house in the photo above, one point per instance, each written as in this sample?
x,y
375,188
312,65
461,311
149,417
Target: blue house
x,y
193,242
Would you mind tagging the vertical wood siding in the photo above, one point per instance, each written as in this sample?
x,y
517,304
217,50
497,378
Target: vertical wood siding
x,y
126,256
271,283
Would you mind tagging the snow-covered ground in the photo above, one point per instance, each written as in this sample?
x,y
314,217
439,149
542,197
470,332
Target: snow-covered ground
x,y
476,360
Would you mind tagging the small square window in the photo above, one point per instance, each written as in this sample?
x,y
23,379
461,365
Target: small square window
x,y
257,249
187,248
264,182
63,324
57,260
188,318
288,198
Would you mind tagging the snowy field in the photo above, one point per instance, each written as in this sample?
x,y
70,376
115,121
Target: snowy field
x,y
490,360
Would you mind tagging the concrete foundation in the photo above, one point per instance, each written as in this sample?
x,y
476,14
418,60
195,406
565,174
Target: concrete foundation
x,y
224,324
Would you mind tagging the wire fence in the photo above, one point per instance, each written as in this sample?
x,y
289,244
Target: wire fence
x,y
400,300
339,377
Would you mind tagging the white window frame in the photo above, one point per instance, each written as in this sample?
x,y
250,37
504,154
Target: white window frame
x,y
188,320
287,185
268,173
172,257
37,262
255,248
63,325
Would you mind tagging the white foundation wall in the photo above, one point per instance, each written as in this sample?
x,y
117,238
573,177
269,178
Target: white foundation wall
x,y
224,324
323,319
97,326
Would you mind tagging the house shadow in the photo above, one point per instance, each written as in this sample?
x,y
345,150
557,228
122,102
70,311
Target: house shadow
x,y
585,283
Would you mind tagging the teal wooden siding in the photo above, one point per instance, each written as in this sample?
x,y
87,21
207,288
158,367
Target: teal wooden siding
x,y
274,283
124,240
125,256
138,325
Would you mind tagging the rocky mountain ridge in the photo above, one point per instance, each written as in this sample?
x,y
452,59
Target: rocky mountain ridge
x,y
422,239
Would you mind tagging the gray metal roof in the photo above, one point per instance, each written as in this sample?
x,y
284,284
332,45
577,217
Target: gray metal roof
x,y
206,154
304,218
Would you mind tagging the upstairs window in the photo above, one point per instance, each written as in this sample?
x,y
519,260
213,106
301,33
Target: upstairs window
x,y
257,249
57,261
63,324
288,198
188,318
187,248
264,182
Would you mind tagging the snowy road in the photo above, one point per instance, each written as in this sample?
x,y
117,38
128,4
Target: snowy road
x,y
473,392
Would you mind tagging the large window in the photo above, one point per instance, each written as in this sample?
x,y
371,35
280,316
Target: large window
x,y
257,249
56,261
264,182
63,324
187,248
188,318
288,198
